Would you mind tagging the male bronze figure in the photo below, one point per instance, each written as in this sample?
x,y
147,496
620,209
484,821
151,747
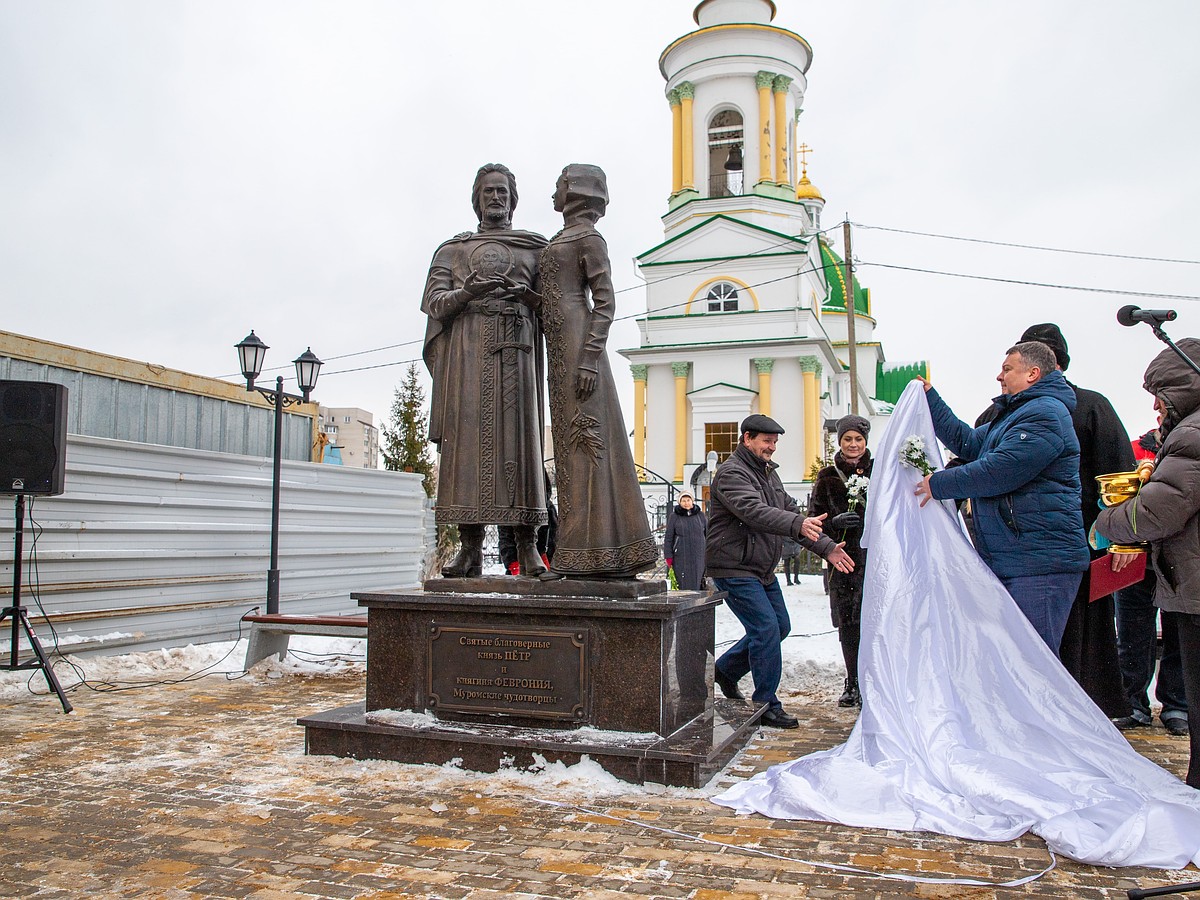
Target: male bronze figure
x,y
483,348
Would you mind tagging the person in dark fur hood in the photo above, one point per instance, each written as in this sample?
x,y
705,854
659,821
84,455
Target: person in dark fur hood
x,y
840,492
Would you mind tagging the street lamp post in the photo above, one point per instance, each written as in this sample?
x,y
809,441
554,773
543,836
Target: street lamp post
x,y
252,352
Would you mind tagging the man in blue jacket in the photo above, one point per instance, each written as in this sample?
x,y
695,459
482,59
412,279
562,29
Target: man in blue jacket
x,y
1022,477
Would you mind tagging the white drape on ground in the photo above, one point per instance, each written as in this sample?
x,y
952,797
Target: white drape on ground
x,y
970,726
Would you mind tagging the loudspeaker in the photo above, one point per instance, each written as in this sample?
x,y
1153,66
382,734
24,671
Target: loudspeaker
x,y
33,437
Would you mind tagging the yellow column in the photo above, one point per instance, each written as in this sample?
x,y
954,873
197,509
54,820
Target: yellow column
x,y
811,367
792,142
676,142
687,91
680,370
780,86
764,367
639,418
763,81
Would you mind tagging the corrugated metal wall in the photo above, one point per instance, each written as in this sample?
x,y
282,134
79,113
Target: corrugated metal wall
x,y
110,407
156,546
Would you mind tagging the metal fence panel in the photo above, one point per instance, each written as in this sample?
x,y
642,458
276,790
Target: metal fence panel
x,y
155,546
108,407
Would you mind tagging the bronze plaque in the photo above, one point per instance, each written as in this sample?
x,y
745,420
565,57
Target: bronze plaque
x,y
538,672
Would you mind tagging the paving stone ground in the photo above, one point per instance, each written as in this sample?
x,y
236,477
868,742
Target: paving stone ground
x,y
202,790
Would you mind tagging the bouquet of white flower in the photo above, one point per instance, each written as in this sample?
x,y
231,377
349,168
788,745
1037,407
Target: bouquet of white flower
x,y
856,490
912,453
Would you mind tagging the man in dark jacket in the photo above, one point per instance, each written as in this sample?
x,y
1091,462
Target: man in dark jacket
x,y
750,515
1022,476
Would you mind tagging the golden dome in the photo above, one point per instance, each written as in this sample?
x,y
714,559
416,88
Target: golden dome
x,y
806,190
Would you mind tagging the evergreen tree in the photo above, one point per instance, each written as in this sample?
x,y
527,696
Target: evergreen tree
x,y
406,442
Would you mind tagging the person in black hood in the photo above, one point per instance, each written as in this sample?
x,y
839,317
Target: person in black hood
x,y
832,495
683,546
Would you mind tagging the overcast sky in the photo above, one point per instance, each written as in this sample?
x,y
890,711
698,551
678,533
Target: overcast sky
x,y
173,174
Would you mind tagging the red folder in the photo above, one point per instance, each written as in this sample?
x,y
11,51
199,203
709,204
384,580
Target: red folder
x,y
1102,580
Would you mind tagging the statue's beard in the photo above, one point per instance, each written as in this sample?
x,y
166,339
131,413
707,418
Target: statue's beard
x,y
496,217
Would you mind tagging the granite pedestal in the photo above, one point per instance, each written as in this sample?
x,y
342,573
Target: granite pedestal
x,y
496,672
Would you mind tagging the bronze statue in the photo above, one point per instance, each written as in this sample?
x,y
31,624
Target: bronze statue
x,y
602,526
483,348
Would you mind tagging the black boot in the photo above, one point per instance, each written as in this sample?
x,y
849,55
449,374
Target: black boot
x,y
468,563
527,553
850,696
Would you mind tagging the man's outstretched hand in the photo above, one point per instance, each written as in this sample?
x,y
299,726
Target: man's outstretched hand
x,y
812,527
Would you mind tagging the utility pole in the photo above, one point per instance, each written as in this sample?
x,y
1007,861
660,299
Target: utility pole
x,y
852,349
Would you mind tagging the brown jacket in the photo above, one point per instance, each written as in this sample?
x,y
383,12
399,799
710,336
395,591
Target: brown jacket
x,y
1166,513
749,517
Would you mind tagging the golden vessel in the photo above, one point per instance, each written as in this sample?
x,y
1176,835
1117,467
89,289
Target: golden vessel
x,y
1115,489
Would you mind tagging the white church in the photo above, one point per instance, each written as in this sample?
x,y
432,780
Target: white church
x,y
745,298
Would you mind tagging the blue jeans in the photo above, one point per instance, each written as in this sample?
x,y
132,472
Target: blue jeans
x,y
761,610
1046,601
1137,627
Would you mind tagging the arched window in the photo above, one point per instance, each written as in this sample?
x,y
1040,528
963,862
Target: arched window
x,y
725,162
722,297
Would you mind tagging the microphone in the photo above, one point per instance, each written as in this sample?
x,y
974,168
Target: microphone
x,y
1131,315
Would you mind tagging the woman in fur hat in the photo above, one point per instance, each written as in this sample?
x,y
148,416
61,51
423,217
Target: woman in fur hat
x,y
840,492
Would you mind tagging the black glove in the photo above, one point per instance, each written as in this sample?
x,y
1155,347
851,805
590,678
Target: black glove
x,y
845,521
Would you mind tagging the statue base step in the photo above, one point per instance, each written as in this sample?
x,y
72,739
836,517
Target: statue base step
x,y
498,675
688,758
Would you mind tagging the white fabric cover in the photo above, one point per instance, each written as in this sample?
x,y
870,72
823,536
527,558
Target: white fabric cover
x,y
969,725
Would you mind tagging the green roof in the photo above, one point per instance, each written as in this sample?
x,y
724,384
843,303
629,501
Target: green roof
x,y
891,379
835,275
705,222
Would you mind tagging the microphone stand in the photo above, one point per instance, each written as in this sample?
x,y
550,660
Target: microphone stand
x,y
1156,327
1135,893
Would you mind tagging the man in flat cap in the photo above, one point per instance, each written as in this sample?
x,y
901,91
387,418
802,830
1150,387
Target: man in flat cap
x,y
750,515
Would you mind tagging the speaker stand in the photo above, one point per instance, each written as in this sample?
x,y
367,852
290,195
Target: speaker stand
x,y
20,619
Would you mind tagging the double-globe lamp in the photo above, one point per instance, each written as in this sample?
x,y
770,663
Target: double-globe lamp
x,y
252,352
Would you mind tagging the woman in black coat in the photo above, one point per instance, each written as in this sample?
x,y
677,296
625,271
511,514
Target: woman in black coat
x,y
831,496
683,546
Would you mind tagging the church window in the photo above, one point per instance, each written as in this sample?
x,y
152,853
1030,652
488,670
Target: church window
x,y
725,161
722,297
722,437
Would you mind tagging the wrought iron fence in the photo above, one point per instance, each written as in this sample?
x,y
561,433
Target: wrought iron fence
x,y
725,184
658,507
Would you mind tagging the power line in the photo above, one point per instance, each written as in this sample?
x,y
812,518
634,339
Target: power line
x,y
953,237
789,239
790,275
1061,287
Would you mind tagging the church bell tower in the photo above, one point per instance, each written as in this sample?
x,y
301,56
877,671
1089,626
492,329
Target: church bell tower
x,y
745,300
736,88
